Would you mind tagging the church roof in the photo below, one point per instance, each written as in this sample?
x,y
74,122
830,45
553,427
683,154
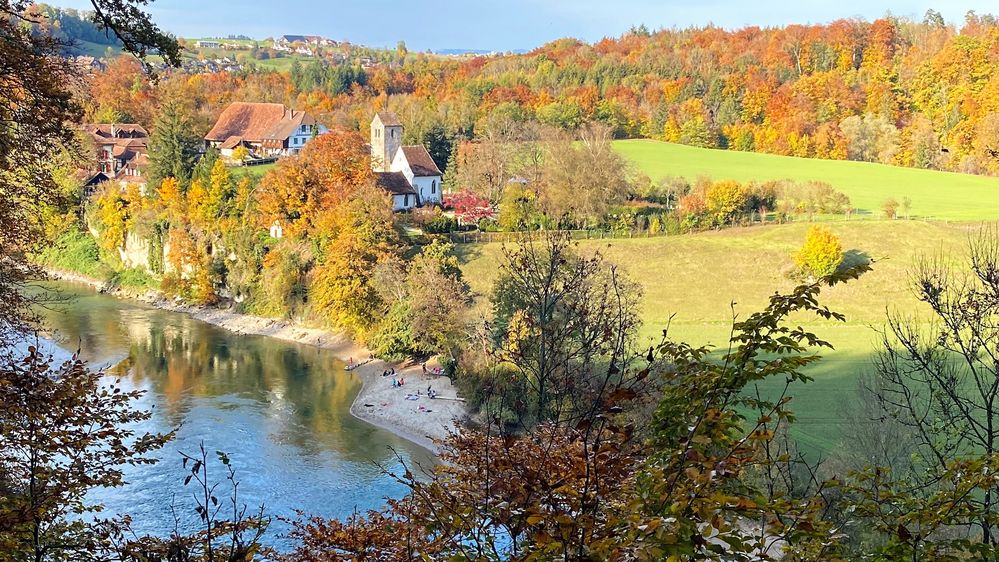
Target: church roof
x,y
256,122
395,183
388,119
420,161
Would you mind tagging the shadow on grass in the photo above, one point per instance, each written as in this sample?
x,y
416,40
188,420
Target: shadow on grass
x,y
853,258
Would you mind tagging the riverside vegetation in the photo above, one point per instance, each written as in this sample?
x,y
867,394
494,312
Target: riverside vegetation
x,y
590,440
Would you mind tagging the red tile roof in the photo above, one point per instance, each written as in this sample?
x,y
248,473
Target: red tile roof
x,y
395,183
420,161
256,122
116,130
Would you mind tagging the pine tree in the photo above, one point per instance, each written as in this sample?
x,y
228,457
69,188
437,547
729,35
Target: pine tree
x,y
173,147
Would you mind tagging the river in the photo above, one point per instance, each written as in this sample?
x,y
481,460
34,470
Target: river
x,y
280,410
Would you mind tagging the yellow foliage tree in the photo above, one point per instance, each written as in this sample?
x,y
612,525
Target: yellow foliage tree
x,y
724,200
197,201
342,288
111,214
821,254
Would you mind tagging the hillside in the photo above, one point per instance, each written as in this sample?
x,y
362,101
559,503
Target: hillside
x,y
934,194
699,276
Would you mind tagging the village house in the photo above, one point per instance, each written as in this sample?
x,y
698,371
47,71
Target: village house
x,y
285,42
207,44
408,173
121,154
265,129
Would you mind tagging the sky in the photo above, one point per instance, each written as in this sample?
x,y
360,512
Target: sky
x,y
507,24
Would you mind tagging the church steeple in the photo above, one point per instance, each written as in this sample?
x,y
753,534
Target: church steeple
x,y
386,138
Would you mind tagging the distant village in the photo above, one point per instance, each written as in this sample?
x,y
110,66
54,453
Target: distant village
x,y
235,54
250,133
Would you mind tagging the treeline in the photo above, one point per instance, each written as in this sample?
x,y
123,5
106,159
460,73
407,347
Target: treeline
x,y
896,91
70,25
536,177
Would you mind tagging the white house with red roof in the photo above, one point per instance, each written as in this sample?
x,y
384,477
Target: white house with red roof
x,y
408,173
265,129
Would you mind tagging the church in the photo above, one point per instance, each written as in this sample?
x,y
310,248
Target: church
x,y
408,173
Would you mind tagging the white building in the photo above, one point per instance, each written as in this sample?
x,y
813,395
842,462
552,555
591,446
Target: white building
x,y
393,163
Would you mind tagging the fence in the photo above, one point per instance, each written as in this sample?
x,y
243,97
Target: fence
x,y
480,237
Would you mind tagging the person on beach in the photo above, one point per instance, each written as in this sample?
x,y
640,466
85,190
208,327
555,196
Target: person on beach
x,y
424,365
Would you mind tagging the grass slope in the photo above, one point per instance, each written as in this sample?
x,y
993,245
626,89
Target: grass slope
x,y
699,276
934,194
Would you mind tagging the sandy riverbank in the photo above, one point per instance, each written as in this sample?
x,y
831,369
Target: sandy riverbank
x,y
377,403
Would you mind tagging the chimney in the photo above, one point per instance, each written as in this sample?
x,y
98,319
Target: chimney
x,y
114,133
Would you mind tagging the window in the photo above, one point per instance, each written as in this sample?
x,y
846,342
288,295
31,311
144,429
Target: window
x,y
405,200
433,187
392,132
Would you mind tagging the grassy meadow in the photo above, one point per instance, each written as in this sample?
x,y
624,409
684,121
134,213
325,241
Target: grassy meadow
x,y
699,277
939,195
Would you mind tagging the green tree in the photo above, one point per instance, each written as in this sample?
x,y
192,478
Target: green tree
x,y
438,300
558,319
696,132
173,145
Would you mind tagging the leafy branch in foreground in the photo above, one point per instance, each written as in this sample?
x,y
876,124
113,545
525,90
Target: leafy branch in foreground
x,y
64,430
222,538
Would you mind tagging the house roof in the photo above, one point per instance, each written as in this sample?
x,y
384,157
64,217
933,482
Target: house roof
x,y
394,183
92,178
109,130
388,119
256,122
420,161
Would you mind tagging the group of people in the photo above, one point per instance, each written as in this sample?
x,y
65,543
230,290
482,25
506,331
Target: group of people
x,y
389,372
398,383
435,371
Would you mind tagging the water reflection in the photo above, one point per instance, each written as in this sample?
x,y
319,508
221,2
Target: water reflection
x,y
281,410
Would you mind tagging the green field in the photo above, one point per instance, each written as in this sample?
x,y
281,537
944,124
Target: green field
x,y
254,171
941,195
698,276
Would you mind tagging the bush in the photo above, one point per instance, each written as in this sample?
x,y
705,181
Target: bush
x,y
822,253
393,339
890,208
433,221
75,251
133,278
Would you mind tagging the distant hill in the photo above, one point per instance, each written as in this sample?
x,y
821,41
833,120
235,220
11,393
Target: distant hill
x,y
74,27
476,51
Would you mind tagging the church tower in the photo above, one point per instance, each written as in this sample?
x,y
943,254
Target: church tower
x,y
386,138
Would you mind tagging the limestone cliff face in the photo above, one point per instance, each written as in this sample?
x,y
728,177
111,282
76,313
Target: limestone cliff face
x,y
135,252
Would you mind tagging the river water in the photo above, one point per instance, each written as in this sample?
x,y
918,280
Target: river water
x,y
280,410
